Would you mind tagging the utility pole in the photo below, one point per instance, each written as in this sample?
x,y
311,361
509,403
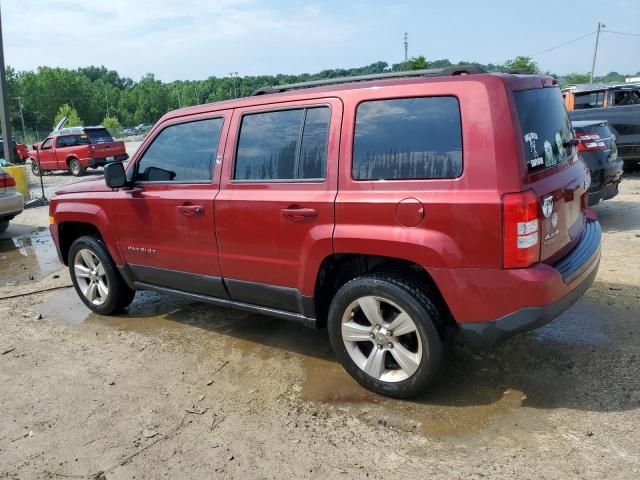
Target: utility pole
x,y
406,46
4,108
24,130
234,76
106,97
595,50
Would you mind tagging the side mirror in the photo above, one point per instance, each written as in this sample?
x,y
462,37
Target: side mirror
x,y
35,147
114,175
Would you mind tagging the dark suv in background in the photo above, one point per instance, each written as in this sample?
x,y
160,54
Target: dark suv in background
x,y
597,146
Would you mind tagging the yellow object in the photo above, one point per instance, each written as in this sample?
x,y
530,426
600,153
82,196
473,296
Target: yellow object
x,y
52,220
21,176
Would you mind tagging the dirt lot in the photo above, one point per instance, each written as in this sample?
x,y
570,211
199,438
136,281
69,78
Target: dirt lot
x,y
185,390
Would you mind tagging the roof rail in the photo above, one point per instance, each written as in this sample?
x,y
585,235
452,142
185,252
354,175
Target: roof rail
x,y
431,72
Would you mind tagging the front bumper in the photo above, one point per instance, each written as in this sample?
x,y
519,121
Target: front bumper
x,y
577,271
11,204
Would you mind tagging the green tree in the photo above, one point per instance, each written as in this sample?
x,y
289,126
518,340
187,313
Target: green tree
x,y
575,78
112,124
72,115
520,63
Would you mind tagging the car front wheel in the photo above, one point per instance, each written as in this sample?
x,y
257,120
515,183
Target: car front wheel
x,y
383,330
95,277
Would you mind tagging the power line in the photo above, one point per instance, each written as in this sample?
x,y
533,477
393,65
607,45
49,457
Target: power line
x,y
562,44
622,33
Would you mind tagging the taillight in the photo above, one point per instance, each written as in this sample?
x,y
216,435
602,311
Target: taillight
x,y
521,236
588,142
7,180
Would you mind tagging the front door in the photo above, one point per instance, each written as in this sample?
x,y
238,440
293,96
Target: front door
x,y
166,221
274,212
46,155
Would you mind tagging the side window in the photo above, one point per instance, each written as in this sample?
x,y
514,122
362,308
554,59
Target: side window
x,y
283,145
410,138
46,145
184,152
62,142
588,100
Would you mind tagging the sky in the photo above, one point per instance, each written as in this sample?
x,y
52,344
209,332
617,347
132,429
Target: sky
x,y
195,39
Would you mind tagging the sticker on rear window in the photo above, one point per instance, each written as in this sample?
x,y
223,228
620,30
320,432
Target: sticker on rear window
x,y
549,158
535,159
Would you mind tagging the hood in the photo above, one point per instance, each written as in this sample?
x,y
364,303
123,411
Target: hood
x,y
89,185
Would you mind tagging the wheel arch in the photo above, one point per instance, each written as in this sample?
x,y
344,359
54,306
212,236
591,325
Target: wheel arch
x,y
337,269
92,220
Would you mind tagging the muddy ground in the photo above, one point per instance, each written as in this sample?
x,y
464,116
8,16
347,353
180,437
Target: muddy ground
x,y
175,389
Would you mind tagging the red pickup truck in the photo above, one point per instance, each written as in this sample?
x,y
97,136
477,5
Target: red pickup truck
x,y
76,149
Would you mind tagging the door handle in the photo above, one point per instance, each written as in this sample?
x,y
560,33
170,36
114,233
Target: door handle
x,y
191,210
299,213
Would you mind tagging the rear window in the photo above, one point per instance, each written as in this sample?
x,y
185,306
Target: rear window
x,y
546,129
99,135
408,138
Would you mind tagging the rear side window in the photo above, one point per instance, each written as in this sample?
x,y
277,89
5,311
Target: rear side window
x,y
182,153
283,145
588,100
546,129
72,141
411,138
99,135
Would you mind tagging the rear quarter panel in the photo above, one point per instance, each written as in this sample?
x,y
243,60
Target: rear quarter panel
x,y
462,224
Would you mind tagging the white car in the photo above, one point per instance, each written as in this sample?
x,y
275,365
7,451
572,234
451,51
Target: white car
x,y
11,201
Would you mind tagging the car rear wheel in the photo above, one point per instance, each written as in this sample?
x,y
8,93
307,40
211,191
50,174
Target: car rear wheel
x,y
383,330
4,224
76,169
95,277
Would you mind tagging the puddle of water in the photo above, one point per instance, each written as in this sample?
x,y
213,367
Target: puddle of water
x,y
28,258
435,415
465,402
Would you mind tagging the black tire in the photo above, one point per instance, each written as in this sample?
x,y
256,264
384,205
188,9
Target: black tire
x,y
4,224
411,298
35,168
76,168
119,296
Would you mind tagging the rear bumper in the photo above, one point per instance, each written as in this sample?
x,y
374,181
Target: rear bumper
x,y
561,284
100,162
11,204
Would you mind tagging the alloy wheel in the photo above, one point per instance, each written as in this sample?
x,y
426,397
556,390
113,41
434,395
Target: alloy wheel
x,y
381,338
91,276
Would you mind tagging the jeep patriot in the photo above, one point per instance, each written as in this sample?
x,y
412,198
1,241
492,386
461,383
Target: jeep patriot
x,y
395,211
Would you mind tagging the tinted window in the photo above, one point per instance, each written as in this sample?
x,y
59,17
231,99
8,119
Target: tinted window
x,y
412,138
588,100
72,141
99,135
546,129
182,153
283,145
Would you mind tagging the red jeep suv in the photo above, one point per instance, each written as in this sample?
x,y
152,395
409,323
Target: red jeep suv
x,y
395,211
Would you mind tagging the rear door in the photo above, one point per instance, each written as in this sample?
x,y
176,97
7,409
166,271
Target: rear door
x,y
275,210
555,172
